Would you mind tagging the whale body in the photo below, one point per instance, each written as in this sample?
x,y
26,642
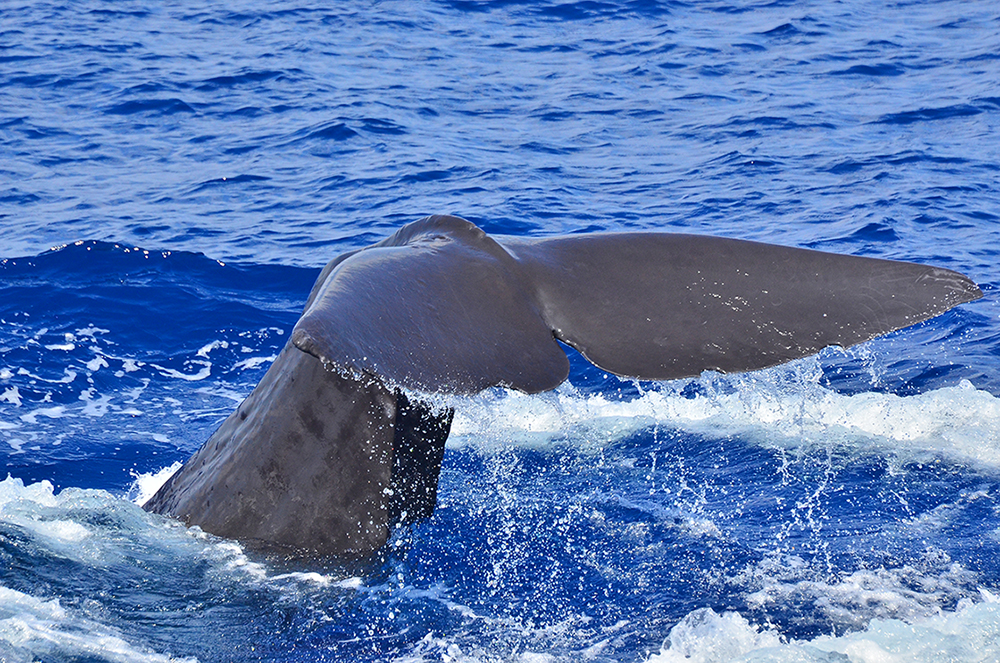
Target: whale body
x,y
334,447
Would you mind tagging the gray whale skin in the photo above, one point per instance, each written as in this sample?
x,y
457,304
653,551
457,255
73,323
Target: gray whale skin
x,y
332,449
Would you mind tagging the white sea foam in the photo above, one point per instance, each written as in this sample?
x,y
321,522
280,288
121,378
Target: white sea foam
x,y
203,352
131,365
146,484
11,395
510,639
67,377
969,634
707,637
252,363
909,592
54,412
34,403
57,525
33,629
36,510
783,407
203,372
14,492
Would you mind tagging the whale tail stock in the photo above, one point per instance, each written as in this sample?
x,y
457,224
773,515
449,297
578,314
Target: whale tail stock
x,y
312,463
329,451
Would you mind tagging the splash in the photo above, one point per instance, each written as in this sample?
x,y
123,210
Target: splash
x,y
33,629
784,407
970,634
147,483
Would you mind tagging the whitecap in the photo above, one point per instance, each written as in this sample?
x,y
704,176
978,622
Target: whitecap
x,y
54,412
206,349
96,364
11,395
203,372
145,484
34,629
253,362
970,634
783,407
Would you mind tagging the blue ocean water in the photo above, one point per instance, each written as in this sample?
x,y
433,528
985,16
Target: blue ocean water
x,y
174,175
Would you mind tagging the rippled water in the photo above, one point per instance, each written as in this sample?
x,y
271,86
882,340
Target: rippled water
x,y
195,164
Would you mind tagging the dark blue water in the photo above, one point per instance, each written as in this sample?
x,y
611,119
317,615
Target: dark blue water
x,y
173,176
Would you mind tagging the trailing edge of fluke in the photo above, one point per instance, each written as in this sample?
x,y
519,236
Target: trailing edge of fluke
x,y
328,452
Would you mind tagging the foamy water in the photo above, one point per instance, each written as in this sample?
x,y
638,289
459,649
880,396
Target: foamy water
x,y
899,612
786,406
969,634
911,613
95,532
931,608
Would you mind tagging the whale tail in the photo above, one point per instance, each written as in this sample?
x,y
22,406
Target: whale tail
x,y
666,306
442,307
314,463
328,452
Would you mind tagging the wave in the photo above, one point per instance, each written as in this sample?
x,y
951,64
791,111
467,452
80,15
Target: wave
x,y
120,558
785,407
969,634
117,549
32,629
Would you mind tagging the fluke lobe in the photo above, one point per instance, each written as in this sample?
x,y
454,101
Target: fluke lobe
x,y
328,452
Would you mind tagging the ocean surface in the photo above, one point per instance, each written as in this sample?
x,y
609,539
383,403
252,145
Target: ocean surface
x,y
173,175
